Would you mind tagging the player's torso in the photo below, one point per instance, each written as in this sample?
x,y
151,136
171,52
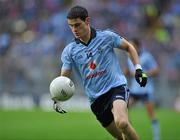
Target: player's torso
x,y
97,65
92,58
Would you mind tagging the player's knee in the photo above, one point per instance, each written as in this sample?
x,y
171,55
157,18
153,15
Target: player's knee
x,y
121,124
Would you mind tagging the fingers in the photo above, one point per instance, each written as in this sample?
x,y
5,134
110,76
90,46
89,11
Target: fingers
x,y
58,108
143,82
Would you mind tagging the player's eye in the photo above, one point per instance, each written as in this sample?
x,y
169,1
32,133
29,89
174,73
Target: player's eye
x,y
75,25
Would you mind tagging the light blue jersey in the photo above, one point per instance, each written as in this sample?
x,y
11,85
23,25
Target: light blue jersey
x,y
147,62
95,62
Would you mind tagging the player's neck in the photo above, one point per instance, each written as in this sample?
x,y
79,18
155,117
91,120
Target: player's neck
x,y
87,37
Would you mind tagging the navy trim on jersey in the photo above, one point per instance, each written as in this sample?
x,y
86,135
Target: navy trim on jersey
x,y
93,35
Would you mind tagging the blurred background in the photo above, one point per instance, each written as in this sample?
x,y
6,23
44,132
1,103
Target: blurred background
x,y
34,32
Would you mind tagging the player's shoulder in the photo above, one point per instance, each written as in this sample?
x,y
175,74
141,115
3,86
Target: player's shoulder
x,y
106,32
69,46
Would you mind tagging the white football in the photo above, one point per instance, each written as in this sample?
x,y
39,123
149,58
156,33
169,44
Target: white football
x,y
61,88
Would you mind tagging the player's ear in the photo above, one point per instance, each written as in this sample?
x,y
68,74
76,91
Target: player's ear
x,y
87,20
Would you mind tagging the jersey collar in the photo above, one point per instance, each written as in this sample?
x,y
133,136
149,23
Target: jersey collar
x,y
93,35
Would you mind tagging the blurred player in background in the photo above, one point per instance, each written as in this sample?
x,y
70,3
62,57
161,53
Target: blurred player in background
x,y
92,54
144,94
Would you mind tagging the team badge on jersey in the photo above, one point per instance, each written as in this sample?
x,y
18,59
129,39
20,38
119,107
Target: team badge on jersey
x,y
92,65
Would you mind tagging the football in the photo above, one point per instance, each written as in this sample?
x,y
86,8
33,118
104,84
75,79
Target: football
x,y
61,88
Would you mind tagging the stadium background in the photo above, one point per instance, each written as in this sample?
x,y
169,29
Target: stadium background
x,y
34,32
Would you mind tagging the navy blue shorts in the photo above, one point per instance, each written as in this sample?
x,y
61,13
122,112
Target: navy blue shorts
x,y
102,106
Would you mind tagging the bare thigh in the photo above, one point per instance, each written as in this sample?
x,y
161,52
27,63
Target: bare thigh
x,y
120,111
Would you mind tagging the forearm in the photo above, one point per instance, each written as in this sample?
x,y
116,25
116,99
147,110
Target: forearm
x,y
133,55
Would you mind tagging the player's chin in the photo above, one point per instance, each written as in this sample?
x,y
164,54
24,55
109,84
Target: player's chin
x,y
77,36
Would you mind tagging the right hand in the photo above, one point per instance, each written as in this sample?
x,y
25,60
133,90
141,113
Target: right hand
x,y
57,107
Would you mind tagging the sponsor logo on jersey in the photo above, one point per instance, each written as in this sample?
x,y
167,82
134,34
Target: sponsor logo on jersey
x,y
96,74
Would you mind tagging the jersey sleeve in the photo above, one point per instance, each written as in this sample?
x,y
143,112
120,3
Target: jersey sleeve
x,y
66,59
117,39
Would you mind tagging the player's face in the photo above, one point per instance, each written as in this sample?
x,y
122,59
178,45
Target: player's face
x,y
79,28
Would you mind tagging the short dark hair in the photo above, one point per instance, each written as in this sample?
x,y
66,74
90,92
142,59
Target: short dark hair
x,y
77,12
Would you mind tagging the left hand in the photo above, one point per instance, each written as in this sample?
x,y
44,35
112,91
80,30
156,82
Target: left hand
x,y
141,77
57,107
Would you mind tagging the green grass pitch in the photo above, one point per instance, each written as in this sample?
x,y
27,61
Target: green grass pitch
x,y
40,125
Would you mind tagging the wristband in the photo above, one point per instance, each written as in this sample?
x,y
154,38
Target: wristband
x,y
138,66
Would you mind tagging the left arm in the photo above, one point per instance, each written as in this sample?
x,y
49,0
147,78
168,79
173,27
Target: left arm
x,y
131,52
140,76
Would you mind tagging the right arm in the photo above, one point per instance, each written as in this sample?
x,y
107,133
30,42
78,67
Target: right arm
x,y
66,59
65,71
